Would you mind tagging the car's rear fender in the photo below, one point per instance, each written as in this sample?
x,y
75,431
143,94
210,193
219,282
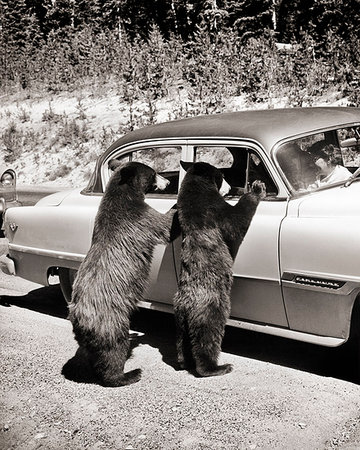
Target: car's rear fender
x,y
46,236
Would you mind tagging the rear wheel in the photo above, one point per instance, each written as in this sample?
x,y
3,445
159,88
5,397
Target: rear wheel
x,y
67,277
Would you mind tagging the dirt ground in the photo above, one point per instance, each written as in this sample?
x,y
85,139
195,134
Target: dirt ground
x,y
280,395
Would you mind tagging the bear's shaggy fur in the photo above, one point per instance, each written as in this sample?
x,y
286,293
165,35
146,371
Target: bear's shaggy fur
x,y
210,227
113,275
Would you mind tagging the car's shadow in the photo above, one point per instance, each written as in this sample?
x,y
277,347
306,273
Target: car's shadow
x,y
158,331
340,362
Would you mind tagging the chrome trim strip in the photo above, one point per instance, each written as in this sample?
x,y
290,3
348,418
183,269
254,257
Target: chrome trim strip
x,y
266,329
272,281
289,334
48,253
157,306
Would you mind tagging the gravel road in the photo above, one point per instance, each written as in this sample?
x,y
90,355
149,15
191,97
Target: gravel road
x,y
280,395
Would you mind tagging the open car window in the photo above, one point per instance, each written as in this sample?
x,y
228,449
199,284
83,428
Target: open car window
x,y
164,160
241,166
319,160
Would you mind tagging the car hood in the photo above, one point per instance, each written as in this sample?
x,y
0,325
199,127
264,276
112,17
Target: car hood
x,y
336,201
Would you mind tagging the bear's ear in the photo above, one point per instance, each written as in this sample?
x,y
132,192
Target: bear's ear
x,y
114,164
186,165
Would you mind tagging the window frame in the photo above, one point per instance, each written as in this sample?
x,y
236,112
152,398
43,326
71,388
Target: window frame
x,y
251,147
138,146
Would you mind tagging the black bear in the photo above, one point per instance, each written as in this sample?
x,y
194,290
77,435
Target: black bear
x,y
113,275
210,228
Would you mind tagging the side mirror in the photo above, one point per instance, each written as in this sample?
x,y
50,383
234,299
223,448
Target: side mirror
x,y
8,186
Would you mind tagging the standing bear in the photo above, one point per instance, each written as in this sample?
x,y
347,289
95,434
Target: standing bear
x,y
113,275
210,228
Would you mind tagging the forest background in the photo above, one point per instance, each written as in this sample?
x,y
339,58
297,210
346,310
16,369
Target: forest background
x,y
77,74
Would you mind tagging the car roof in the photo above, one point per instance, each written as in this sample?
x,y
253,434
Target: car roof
x,y
267,127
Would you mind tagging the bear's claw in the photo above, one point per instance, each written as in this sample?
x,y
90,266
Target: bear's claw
x,y
214,371
259,188
124,379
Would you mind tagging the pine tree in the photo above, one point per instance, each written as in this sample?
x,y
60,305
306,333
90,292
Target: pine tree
x,y
250,17
18,23
129,15
20,33
317,18
59,15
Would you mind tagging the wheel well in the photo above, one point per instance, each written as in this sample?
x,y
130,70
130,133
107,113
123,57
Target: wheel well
x,y
52,272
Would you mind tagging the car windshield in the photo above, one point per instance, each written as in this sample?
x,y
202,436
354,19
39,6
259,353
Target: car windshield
x,y
320,160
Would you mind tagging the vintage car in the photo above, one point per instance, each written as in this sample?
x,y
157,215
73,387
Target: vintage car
x,y
24,195
297,272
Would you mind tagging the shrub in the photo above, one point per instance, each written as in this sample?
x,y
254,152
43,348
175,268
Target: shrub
x,y
12,140
72,132
23,115
60,172
50,116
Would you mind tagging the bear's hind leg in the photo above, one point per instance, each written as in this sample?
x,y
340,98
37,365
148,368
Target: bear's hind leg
x,y
183,345
109,366
206,339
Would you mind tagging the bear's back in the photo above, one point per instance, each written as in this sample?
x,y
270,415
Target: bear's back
x,y
199,204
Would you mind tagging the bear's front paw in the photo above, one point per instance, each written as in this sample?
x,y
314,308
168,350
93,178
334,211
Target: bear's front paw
x,y
259,188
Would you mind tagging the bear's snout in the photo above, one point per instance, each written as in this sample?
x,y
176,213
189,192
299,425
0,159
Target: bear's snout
x,y
161,183
225,188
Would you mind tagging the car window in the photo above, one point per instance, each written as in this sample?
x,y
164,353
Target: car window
x,y
164,160
239,165
218,156
349,139
318,160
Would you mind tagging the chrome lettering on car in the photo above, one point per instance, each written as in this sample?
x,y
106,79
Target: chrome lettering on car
x,y
313,281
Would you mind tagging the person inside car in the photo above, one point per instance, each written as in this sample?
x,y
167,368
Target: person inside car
x,y
331,170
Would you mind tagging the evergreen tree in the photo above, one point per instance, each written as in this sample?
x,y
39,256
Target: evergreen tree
x,y
87,12
250,17
37,8
214,16
339,16
129,15
20,33
60,15
318,18
18,24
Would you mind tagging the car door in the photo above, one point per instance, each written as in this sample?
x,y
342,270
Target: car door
x,y
320,261
256,293
164,157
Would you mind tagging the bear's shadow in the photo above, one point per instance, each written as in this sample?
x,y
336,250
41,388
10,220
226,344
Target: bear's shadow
x,y
49,300
158,331
79,370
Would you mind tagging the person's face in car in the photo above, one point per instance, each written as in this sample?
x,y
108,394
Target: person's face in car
x,y
324,166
